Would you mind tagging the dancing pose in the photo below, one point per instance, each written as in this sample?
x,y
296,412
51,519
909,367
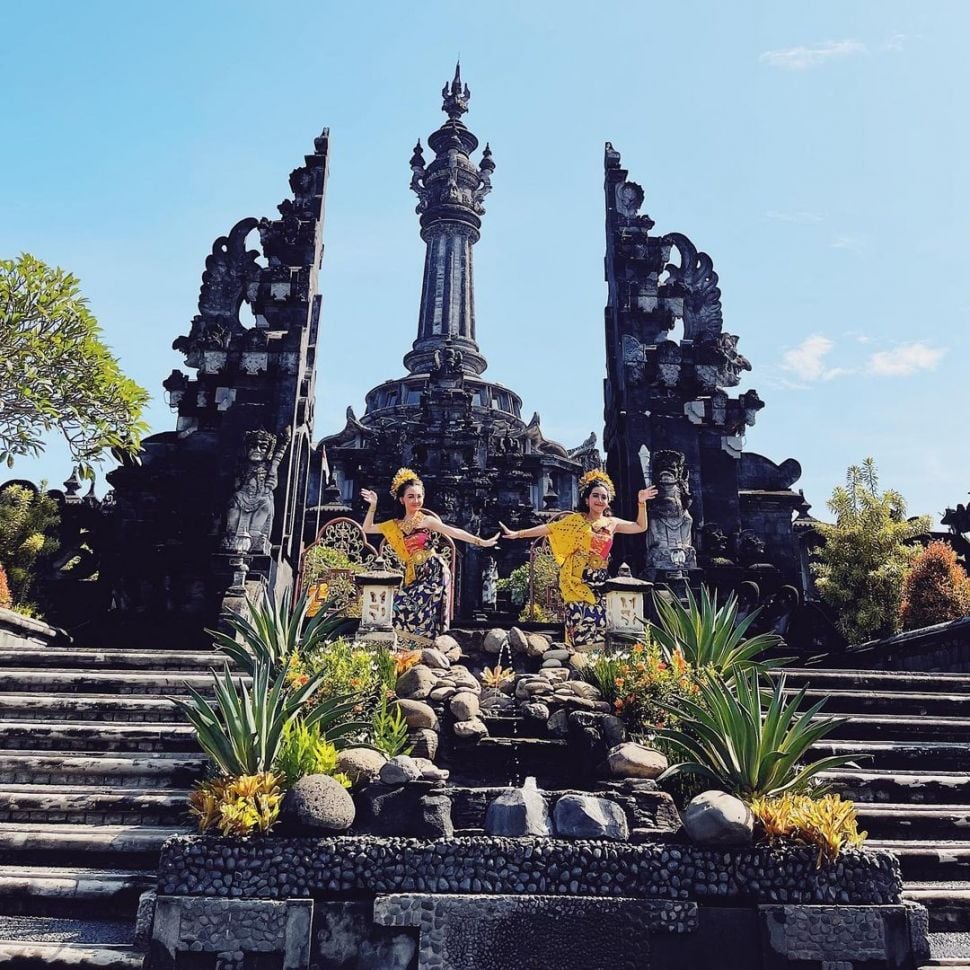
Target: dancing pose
x,y
580,544
421,605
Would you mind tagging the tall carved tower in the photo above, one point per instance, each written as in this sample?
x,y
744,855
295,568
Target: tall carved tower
x,y
450,192
480,461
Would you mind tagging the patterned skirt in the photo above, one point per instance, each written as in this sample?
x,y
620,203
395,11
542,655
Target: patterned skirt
x,y
586,622
421,607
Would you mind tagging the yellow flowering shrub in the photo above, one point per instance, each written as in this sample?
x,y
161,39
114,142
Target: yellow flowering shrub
x,y
827,822
237,806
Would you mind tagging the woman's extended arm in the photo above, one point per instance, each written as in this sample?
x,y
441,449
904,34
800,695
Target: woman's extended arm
x,y
626,527
533,533
371,499
436,525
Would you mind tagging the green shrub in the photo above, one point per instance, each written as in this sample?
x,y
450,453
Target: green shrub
x,y
750,748
710,637
27,519
390,730
861,567
304,750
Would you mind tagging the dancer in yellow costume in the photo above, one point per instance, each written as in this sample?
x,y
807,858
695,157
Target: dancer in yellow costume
x,y
421,605
580,544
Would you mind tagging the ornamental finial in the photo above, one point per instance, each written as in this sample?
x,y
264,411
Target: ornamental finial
x,y
455,97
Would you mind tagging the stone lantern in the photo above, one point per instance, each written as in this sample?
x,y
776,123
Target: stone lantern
x,y
377,587
623,596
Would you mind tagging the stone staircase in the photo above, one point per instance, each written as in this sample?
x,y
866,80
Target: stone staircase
x,y
95,764
910,734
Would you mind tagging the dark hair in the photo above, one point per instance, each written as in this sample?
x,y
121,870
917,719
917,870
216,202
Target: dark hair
x,y
406,484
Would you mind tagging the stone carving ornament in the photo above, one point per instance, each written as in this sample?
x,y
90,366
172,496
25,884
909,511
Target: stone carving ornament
x,y
249,520
702,299
670,546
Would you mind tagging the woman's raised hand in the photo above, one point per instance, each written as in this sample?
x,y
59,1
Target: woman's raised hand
x,y
369,497
645,494
508,533
488,543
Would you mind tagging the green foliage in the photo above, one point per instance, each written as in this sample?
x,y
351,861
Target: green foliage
x,y
749,740
641,684
275,632
243,731
305,751
861,567
27,519
58,375
935,590
709,636
337,569
390,730
546,580
344,667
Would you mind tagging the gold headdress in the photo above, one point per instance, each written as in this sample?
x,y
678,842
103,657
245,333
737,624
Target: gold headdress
x,y
596,476
404,475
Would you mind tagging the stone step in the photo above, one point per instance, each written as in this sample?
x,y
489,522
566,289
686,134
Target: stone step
x,y
928,860
948,904
919,822
143,770
877,680
94,806
93,658
51,929
904,787
905,755
72,891
88,681
890,702
108,846
99,735
130,708
68,956
950,949
509,761
889,727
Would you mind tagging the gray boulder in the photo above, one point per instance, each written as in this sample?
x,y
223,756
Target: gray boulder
x,y
416,684
435,659
518,813
400,770
360,764
473,729
449,646
416,713
421,810
317,803
588,817
518,641
536,644
632,760
495,640
716,818
424,743
465,705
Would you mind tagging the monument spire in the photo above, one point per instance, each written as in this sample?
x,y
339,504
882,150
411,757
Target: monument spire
x,y
450,190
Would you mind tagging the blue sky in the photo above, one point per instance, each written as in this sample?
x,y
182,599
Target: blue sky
x,y
816,151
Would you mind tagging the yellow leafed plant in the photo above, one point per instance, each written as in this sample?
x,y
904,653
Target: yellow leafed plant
x,y
826,822
237,806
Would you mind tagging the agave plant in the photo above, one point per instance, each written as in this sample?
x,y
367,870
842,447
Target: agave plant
x,y
711,636
276,631
748,739
242,732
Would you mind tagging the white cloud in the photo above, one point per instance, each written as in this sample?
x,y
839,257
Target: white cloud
x,y
807,361
800,217
904,360
849,241
894,43
802,58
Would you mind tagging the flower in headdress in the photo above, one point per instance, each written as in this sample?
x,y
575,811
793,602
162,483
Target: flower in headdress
x,y
404,475
597,476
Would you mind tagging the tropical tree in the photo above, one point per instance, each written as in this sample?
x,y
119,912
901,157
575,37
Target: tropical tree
x,y
861,567
936,589
57,374
28,518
